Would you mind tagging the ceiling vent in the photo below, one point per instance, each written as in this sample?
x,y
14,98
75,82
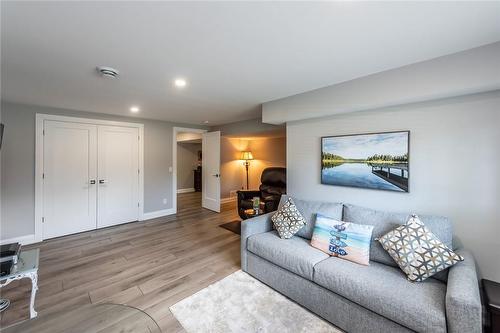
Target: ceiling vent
x,y
107,72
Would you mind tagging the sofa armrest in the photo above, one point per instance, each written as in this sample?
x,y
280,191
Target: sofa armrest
x,y
253,226
463,302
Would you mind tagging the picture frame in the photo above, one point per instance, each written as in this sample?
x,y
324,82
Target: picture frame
x,y
379,160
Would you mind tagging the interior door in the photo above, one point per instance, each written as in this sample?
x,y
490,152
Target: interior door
x,y
70,170
118,178
211,171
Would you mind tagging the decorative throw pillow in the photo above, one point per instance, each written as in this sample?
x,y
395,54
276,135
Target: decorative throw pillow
x,y
288,220
345,240
417,251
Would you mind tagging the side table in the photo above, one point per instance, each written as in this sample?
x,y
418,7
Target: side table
x,y
492,298
26,267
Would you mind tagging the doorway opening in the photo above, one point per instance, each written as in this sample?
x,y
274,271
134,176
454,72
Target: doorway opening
x,y
196,169
189,170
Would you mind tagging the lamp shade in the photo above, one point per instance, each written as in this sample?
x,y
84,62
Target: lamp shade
x,y
246,155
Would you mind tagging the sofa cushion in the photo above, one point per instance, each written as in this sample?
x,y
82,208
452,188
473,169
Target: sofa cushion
x,y
386,291
294,254
308,209
384,222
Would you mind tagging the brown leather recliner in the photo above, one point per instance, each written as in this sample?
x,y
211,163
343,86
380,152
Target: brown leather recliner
x,y
273,185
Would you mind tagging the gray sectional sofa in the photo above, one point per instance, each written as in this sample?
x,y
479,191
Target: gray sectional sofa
x,y
356,298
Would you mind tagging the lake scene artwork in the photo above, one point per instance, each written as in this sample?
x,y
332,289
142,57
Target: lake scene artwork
x,y
376,161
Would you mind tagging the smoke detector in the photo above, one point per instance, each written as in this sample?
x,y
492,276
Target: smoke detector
x,y
107,72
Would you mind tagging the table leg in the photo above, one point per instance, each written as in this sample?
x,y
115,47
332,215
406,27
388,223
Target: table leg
x,y
4,304
34,288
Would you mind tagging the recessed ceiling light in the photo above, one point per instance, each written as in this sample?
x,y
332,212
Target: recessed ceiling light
x,y
134,109
180,83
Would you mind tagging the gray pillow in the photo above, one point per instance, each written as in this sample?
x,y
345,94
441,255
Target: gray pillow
x,y
287,220
308,209
417,251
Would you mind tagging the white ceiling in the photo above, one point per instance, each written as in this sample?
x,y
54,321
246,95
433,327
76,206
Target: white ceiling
x,y
235,55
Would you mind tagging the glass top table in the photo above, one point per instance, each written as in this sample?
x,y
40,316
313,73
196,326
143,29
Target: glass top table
x,y
104,317
27,263
26,267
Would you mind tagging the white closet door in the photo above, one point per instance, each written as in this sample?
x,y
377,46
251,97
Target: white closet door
x,y
118,179
70,168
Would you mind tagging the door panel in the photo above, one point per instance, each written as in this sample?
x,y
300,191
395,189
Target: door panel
x,y
118,180
69,163
211,171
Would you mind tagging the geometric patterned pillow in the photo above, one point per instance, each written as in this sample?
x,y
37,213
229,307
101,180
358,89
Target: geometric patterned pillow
x,y
288,220
417,251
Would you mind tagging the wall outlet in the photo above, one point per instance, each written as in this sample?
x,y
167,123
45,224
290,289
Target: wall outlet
x,y
164,201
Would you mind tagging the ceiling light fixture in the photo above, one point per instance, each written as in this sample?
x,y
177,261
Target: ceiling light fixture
x,y
107,72
205,122
134,109
180,83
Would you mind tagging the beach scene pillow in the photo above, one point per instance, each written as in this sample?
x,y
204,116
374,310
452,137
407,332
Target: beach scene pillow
x,y
345,240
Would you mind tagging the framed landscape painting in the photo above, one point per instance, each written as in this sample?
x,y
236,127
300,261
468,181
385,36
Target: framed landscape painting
x,y
376,161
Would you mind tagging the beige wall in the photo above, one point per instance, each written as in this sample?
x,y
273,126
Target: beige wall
x,y
266,152
266,142
231,168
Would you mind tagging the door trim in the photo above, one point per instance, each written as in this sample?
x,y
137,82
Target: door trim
x,y
174,160
39,146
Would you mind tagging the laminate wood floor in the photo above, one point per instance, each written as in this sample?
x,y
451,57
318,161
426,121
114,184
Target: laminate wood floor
x,y
149,265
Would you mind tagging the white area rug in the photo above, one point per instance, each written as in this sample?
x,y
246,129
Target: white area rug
x,y
240,303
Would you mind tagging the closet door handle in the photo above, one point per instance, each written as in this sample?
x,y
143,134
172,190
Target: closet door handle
x,y
92,182
102,181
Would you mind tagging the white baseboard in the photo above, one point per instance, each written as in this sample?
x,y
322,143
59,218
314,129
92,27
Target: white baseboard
x,y
23,240
185,190
158,213
226,200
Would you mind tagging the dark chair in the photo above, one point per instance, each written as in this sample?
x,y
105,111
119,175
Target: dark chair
x,y
273,185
